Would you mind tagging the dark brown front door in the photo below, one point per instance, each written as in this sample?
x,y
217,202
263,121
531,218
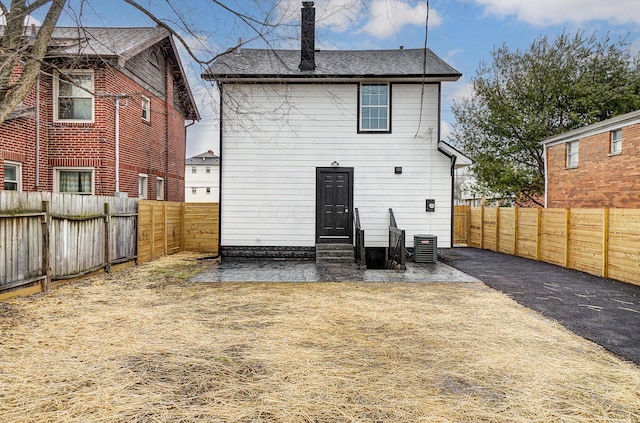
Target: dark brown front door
x,y
334,205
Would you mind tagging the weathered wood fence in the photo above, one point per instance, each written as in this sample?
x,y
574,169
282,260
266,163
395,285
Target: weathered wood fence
x,y
602,242
47,237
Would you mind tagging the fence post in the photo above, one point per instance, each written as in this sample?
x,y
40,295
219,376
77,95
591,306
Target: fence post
x,y
166,229
153,232
605,242
183,213
46,251
567,217
515,230
482,227
497,229
107,243
538,233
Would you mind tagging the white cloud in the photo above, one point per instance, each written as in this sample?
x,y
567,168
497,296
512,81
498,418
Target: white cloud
x,y
379,18
555,12
389,16
28,21
339,15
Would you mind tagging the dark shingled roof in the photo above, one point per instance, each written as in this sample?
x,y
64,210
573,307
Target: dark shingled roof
x,y
103,42
265,64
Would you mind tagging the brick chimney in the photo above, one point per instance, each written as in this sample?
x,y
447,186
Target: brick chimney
x,y
308,37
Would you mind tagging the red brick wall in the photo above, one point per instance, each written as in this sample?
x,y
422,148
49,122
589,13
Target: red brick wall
x,y
18,144
600,179
143,145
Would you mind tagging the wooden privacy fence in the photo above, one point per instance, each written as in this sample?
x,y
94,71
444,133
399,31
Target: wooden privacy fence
x,y
45,236
602,242
169,227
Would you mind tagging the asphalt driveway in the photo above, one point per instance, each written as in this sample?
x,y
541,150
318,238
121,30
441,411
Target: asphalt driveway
x,y
604,311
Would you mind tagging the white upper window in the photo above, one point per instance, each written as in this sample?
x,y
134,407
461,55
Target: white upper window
x,y
572,154
159,189
616,141
73,96
143,184
146,109
74,180
375,108
12,176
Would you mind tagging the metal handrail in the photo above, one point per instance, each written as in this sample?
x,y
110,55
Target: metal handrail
x,y
359,250
396,253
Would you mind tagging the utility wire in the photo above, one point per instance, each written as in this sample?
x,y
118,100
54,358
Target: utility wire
x,y
424,69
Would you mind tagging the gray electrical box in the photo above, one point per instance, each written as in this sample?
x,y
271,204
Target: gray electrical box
x,y
425,248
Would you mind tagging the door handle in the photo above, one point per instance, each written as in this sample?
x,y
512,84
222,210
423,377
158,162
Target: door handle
x,y
346,210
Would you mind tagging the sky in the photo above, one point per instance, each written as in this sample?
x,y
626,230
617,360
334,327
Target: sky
x,y
461,32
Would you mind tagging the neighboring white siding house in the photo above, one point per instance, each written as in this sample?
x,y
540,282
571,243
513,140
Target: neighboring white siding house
x,y
202,178
302,149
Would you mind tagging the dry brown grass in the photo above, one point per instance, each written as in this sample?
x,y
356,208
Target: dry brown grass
x,y
143,345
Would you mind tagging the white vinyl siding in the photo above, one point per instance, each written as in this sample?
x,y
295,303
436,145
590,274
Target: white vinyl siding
x,y
197,181
271,153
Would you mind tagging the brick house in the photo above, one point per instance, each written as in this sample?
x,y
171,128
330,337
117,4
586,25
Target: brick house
x,y
595,166
106,117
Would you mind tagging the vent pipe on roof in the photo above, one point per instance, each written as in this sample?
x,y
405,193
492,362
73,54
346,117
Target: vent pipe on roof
x,y
308,37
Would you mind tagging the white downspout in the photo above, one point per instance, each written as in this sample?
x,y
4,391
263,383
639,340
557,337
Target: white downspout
x,y
117,143
37,170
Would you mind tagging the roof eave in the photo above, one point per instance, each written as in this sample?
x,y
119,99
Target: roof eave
x,y
595,128
246,78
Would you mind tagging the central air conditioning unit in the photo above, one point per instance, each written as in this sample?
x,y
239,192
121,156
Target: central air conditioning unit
x,y
425,248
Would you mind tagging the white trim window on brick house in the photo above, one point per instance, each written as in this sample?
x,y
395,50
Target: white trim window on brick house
x,y
146,109
616,142
74,180
73,96
12,176
143,183
159,188
572,154
375,107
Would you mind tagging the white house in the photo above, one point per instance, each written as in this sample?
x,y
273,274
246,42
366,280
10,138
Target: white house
x,y
309,136
202,178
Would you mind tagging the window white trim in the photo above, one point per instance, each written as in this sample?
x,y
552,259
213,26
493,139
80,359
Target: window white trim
x,y
57,179
143,186
146,109
370,103
159,188
615,142
80,93
573,148
18,178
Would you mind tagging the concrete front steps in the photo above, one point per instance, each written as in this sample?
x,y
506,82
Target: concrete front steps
x,y
334,253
